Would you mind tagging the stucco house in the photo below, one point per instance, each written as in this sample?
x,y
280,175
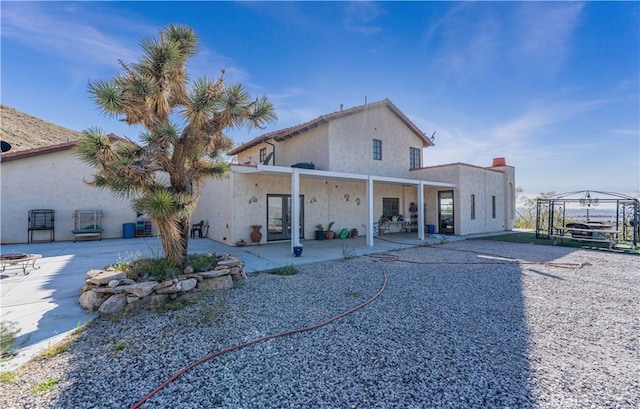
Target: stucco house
x,y
51,177
351,167
354,167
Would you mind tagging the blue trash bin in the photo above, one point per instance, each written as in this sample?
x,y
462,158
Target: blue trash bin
x,y
129,231
431,228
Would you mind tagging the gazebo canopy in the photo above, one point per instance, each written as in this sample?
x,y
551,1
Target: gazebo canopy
x,y
619,210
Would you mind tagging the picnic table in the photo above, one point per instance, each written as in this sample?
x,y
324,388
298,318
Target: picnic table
x,y
21,260
602,234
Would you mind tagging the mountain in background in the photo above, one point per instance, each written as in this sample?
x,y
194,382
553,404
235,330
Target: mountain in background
x,y
24,131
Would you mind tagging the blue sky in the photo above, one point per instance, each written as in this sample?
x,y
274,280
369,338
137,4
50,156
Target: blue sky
x,y
552,86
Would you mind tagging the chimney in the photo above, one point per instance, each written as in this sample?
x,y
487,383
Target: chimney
x,y
498,162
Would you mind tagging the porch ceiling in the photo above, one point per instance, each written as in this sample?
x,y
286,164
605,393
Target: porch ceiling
x,y
324,174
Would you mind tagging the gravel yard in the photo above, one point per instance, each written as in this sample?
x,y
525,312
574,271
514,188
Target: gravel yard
x,y
460,326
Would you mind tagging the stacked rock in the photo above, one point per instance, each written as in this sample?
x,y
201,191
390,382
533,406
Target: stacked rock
x,y
110,292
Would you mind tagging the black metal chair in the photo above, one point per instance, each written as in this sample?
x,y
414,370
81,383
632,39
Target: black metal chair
x,y
197,228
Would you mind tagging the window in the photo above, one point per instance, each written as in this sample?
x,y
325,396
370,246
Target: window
x,y
377,149
473,207
263,155
390,206
493,207
414,158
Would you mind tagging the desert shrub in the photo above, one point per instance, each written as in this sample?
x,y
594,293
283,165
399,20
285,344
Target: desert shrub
x,y
202,262
8,334
161,269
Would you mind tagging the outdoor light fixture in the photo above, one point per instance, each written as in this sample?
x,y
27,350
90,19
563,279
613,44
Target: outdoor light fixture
x,y
346,197
253,199
313,200
587,201
358,201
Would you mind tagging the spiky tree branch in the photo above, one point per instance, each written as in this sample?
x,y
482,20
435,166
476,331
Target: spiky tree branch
x,y
164,173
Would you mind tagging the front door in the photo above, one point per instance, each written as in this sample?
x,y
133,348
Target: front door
x,y
445,212
279,217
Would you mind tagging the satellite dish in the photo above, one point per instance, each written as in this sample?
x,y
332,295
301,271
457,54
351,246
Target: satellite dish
x,y
6,147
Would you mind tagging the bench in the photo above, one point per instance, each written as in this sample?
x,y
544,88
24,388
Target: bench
x,y
13,259
586,235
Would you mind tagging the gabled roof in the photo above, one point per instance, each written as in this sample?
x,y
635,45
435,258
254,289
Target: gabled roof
x,y
290,132
42,150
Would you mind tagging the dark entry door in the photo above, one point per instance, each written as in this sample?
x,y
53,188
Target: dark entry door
x,y
445,212
279,217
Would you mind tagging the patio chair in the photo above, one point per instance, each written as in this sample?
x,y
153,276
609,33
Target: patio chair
x,y
197,228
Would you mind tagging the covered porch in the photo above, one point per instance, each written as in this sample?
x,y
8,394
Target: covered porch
x,y
371,189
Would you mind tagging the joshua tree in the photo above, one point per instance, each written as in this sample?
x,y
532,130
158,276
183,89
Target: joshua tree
x,y
184,136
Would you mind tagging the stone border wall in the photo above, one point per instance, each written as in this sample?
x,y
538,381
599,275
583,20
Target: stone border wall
x,y
110,292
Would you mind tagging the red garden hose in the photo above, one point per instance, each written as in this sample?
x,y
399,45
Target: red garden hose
x,y
386,259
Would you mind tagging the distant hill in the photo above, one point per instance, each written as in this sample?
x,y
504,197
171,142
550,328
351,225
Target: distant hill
x,y
24,131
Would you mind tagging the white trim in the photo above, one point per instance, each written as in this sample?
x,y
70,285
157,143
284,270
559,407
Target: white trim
x,y
295,208
282,170
370,211
421,211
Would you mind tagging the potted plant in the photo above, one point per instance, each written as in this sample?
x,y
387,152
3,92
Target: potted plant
x,y
328,234
256,235
382,223
319,231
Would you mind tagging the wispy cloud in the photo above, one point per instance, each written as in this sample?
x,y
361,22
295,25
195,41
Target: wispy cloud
x,y
466,39
66,33
83,39
474,40
539,116
360,17
542,34
523,139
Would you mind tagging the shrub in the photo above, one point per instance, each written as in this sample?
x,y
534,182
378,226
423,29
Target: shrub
x,y
161,269
8,333
44,387
288,270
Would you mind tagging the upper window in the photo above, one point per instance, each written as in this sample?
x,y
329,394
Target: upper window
x,y
377,149
414,158
263,155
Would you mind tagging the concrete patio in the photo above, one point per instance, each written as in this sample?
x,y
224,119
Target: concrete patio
x,y
44,303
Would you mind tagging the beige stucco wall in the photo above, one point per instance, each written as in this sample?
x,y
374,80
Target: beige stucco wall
x,y
481,182
311,146
351,143
346,145
215,207
54,181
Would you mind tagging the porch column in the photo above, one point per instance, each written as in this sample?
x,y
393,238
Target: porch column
x,y
370,211
295,208
421,211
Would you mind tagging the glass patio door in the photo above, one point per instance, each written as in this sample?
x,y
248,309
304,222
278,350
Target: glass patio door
x,y
279,217
445,212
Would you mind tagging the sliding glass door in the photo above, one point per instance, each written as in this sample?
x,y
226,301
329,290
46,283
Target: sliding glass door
x,y
279,217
